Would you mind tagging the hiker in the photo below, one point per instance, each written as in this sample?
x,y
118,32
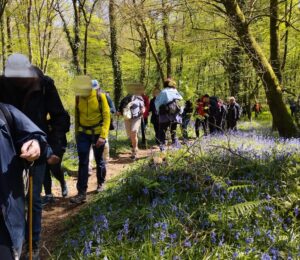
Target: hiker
x,y
35,94
169,110
186,118
59,148
154,115
293,107
214,111
92,121
132,108
202,114
233,114
257,109
221,116
20,140
144,119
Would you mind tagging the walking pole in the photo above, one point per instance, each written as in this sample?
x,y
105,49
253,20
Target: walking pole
x,y
30,211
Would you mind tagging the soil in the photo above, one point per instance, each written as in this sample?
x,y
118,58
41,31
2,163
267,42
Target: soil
x,y
54,215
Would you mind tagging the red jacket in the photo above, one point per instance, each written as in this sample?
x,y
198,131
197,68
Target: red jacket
x,y
147,106
202,108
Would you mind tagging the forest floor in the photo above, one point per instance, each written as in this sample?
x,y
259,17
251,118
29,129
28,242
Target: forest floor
x,y
55,215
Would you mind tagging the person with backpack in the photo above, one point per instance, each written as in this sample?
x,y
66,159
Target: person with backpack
x,y
144,122
257,109
186,118
233,114
154,115
28,89
132,108
22,143
214,112
92,122
169,110
202,115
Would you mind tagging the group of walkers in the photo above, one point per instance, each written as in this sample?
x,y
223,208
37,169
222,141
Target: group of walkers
x,y
34,124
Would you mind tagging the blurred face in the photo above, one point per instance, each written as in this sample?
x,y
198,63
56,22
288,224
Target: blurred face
x,y
156,92
231,101
206,99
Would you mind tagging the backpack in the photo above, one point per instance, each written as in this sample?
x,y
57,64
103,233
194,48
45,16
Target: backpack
x,y
134,108
171,109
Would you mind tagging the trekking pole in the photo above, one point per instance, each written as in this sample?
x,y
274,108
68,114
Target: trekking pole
x,y
30,213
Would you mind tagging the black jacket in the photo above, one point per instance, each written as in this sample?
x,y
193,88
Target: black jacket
x,y
233,112
38,102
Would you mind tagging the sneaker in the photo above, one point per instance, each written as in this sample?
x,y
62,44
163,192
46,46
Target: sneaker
x,y
64,190
47,200
133,154
99,188
78,199
162,148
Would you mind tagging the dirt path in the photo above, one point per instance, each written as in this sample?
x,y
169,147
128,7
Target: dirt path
x,y
56,214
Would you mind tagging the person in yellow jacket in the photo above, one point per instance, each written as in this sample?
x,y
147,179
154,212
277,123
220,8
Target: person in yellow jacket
x,y
92,120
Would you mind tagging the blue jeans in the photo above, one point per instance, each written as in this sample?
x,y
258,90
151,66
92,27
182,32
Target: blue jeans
x,y
84,143
38,173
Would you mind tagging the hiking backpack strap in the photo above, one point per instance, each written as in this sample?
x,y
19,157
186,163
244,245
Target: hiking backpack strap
x,y
7,117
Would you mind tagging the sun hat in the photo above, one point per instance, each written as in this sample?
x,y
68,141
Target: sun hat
x,y
19,66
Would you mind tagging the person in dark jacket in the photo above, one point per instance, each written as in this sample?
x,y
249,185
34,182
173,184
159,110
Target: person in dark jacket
x,y
35,94
214,111
144,122
221,116
19,139
233,114
154,115
186,118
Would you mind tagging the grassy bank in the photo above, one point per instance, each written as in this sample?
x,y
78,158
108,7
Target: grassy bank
x,y
223,197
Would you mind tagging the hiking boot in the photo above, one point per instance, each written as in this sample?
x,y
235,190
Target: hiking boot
x,y
35,252
64,190
78,199
133,154
99,188
47,200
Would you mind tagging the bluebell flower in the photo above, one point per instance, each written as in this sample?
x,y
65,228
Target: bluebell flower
x,y
145,191
187,243
249,240
162,253
213,237
162,236
126,227
265,257
173,237
296,211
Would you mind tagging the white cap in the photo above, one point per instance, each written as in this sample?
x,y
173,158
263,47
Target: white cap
x,y
19,66
95,84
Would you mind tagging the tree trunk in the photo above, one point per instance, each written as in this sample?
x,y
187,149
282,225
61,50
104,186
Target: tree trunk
x,y
28,30
143,58
9,34
118,84
282,118
234,70
85,49
167,38
3,44
76,44
275,40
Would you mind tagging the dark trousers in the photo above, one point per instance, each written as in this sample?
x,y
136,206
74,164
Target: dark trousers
x,y
38,173
57,173
156,130
84,143
199,122
5,242
185,123
231,125
163,128
212,124
144,124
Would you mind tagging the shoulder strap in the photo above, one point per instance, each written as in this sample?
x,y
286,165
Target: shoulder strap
x,y
99,100
7,117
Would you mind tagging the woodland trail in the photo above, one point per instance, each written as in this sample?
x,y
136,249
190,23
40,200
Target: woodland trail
x,y
55,215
